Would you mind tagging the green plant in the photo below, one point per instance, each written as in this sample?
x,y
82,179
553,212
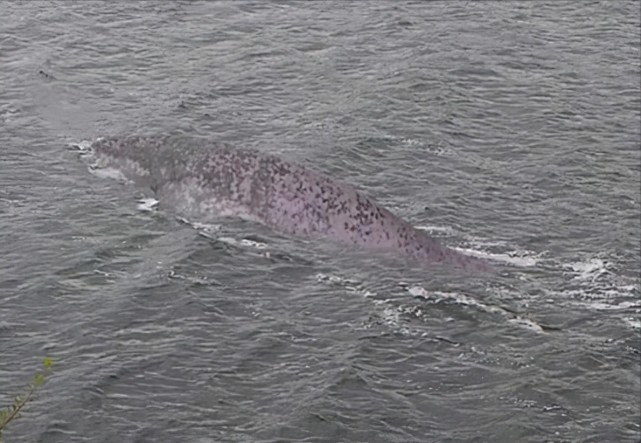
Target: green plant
x,y
11,412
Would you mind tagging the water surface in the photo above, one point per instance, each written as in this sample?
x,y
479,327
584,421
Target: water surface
x,y
510,130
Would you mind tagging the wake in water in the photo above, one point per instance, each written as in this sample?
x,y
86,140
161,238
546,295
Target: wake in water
x,y
201,180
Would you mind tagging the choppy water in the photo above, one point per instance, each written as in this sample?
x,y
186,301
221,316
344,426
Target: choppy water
x,y
507,129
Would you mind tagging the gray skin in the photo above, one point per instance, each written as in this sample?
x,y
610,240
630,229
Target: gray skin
x,y
203,180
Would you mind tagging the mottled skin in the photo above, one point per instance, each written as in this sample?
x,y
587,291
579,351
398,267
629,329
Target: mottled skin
x,y
200,179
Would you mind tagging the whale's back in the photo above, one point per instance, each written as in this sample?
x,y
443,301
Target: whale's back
x,y
202,179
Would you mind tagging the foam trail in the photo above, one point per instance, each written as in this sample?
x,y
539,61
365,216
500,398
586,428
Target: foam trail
x,y
199,179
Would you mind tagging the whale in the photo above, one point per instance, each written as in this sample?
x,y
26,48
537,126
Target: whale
x,y
202,179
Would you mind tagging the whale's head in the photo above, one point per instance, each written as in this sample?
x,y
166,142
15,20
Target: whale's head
x,y
148,161
132,157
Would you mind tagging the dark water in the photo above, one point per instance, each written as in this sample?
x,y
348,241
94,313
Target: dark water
x,y
508,129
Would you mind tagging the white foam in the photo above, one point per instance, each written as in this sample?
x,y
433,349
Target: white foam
x,y
516,258
599,288
600,306
82,145
253,244
205,228
410,142
147,204
391,317
418,291
603,297
334,279
430,148
391,314
243,242
526,323
109,173
590,269
444,229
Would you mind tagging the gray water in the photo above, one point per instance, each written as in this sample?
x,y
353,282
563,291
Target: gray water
x,y
510,130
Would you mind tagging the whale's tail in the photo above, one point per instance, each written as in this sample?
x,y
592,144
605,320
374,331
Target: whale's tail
x,y
430,250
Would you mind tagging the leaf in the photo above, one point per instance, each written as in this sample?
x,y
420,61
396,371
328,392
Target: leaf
x,y
38,379
11,412
47,362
